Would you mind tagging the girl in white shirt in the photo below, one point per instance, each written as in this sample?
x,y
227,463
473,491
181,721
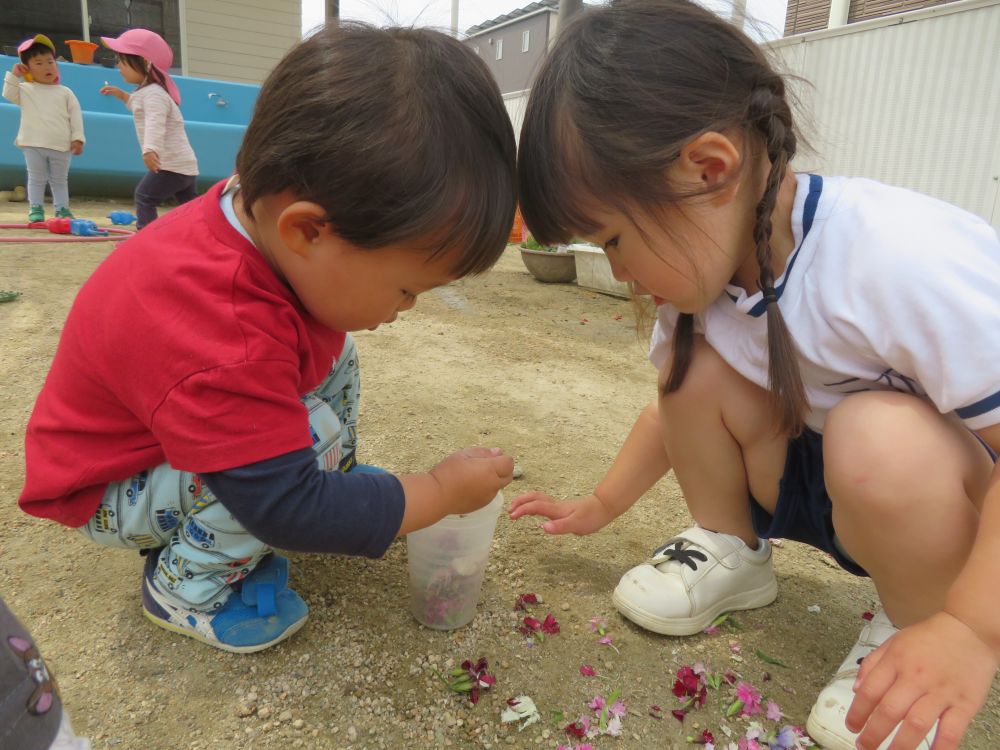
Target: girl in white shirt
x,y
829,357
143,59
51,124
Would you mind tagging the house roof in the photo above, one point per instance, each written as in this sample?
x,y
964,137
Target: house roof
x,y
513,15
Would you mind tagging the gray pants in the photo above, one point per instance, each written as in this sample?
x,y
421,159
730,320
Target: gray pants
x,y
205,549
46,165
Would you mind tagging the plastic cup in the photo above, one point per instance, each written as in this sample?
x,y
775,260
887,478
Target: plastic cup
x,y
447,563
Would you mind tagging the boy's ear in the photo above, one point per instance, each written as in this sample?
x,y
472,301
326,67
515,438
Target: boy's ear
x,y
710,160
300,225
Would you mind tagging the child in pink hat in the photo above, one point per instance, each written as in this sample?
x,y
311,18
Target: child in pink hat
x,y
51,129
143,59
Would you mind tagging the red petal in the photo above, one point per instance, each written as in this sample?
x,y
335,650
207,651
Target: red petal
x,y
576,729
588,671
679,714
513,702
550,625
532,623
867,616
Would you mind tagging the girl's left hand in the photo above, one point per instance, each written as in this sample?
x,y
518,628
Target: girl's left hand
x,y
938,670
76,148
152,161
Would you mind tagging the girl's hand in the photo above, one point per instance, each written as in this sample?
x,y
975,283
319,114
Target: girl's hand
x,y
76,148
114,91
152,161
935,670
581,516
19,69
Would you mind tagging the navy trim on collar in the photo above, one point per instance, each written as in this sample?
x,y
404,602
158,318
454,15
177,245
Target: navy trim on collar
x,y
808,214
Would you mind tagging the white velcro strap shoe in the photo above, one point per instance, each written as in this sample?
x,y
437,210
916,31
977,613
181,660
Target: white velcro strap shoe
x,y
694,578
826,724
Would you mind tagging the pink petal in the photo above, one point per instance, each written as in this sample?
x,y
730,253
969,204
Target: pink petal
x,y
773,711
605,641
597,704
588,671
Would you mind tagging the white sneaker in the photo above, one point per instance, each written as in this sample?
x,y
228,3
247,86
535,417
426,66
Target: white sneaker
x,y
826,724
694,578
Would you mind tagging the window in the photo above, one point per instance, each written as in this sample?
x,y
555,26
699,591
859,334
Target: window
x,y
525,40
112,17
499,47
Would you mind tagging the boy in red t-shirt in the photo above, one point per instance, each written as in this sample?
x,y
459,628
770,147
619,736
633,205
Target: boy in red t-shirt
x,y
192,412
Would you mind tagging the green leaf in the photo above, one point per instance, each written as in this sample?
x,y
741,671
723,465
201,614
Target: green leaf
x,y
558,717
734,708
770,659
714,681
719,620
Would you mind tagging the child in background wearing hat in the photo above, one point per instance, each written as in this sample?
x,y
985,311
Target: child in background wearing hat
x,y
51,124
143,59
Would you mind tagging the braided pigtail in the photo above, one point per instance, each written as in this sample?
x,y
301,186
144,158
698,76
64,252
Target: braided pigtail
x,y
770,116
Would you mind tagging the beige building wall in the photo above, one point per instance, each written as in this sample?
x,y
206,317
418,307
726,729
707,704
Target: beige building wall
x,y
237,40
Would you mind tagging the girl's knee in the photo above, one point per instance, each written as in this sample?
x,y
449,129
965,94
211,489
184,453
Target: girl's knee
x,y
880,448
706,374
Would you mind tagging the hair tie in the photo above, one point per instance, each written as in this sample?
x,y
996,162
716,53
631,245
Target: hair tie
x,y
770,296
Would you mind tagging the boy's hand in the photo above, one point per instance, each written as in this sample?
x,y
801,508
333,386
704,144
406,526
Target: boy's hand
x,y
152,161
581,516
938,669
76,148
471,478
19,69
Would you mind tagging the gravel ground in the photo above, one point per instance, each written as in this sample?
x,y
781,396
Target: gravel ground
x,y
551,373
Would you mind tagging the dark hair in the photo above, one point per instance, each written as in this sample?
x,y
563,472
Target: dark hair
x,y
400,134
625,87
36,50
149,72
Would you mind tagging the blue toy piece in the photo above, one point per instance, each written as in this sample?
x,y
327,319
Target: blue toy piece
x,y
122,217
86,228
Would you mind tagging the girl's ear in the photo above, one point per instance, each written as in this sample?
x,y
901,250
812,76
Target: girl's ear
x,y
300,225
708,162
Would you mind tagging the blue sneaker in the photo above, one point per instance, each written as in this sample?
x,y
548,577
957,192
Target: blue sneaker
x,y
260,612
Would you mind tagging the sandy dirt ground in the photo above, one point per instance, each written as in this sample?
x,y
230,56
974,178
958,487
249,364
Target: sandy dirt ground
x,y
553,374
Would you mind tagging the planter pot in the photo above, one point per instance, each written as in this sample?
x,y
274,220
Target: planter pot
x,y
593,271
549,267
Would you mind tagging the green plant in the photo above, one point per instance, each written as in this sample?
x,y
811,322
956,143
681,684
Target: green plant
x,y
532,244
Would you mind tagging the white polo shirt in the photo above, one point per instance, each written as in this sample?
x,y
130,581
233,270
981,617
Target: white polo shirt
x,y
887,289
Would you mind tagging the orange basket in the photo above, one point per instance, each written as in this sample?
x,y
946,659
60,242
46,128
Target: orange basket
x,y
82,52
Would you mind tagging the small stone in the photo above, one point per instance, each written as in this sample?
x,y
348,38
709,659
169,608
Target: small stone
x,y
352,734
244,710
285,716
814,608
298,724
518,472
564,607
264,713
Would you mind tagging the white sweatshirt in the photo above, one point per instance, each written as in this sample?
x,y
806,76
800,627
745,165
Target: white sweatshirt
x,y
160,128
50,113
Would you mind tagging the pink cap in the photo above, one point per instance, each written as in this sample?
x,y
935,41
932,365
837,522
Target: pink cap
x,y
36,39
151,46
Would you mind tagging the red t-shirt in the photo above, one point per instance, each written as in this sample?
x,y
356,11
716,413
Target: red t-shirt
x,y
183,346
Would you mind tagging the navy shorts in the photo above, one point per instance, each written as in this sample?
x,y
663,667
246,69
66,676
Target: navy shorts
x,y
804,512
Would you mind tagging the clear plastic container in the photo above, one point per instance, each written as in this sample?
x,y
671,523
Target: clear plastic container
x,y
447,562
